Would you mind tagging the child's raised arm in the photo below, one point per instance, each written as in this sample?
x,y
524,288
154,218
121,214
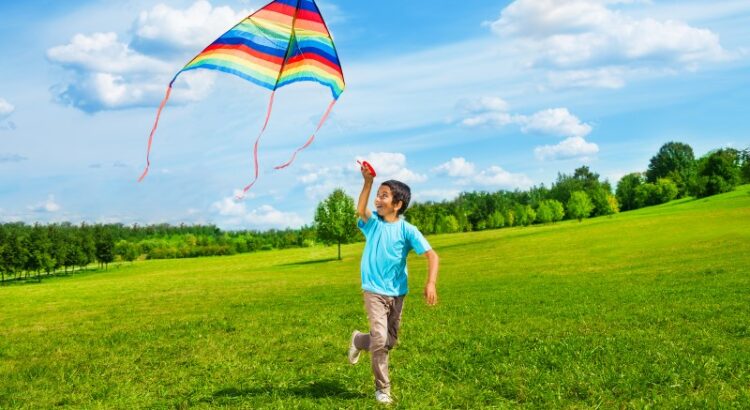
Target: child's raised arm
x,y
364,196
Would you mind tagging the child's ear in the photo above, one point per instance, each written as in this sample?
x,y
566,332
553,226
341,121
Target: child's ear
x,y
398,206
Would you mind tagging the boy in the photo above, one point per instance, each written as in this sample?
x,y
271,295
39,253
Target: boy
x,y
384,275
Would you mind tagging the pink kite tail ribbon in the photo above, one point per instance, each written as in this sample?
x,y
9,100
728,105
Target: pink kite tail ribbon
x,y
312,137
255,148
153,130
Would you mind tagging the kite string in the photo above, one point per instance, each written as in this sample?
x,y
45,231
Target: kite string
x,y
153,130
312,137
255,148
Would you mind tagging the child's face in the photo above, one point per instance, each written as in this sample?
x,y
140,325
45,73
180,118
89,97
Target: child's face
x,y
384,202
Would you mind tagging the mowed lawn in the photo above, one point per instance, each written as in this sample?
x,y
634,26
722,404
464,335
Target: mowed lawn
x,y
649,308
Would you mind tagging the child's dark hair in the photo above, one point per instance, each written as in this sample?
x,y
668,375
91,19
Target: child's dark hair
x,y
401,193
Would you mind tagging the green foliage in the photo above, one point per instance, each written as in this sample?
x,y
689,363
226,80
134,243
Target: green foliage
x,y
579,205
627,191
336,219
127,251
648,194
27,250
510,218
676,161
718,172
744,160
530,215
583,179
558,211
497,220
614,206
544,212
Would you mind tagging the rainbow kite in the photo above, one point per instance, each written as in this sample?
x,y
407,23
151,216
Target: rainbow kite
x,y
284,42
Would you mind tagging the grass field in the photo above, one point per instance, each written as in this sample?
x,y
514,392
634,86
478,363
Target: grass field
x,y
649,308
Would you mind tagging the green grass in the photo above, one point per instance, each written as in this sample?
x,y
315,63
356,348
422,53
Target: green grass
x,y
644,309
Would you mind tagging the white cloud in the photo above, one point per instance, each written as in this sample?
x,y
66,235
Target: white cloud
x,y
465,171
104,53
567,33
573,147
499,178
6,109
236,215
456,167
49,206
392,165
555,121
111,73
597,43
165,28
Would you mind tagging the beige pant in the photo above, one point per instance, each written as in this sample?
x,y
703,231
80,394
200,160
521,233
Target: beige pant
x,y
384,315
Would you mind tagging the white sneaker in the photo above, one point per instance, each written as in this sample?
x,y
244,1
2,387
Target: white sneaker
x,y
383,398
353,352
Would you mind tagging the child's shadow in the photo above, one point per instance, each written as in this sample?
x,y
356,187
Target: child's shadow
x,y
315,390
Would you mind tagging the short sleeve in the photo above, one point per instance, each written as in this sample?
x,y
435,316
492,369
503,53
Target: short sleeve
x,y
366,227
416,240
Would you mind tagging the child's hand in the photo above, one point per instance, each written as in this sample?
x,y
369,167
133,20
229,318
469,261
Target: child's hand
x,y
366,174
430,294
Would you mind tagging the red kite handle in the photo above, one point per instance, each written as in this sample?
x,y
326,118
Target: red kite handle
x,y
368,166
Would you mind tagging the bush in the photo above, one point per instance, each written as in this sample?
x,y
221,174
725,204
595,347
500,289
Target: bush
x,y
664,190
627,191
496,220
544,212
718,172
579,205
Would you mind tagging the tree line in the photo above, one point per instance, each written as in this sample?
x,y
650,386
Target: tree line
x,y
31,251
673,172
34,251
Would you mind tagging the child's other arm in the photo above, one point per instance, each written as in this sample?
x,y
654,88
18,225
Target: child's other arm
x,y
430,289
364,196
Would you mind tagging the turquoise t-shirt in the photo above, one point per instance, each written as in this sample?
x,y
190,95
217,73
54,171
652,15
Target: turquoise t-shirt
x,y
384,259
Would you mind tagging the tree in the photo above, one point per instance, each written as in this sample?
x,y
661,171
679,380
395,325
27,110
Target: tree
x,y
676,161
126,250
544,212
496,220
626,191
530,215
558,211
718,172
614,206
447,224
745,165
336,219
510,218
579,205
648,194
105,248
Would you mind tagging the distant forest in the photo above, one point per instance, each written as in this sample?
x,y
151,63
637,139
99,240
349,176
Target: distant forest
x,y
31,252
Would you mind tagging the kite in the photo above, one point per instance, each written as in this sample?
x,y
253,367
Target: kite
x,y
284,42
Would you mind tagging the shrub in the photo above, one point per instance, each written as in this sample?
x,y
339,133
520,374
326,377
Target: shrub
x,y
579,205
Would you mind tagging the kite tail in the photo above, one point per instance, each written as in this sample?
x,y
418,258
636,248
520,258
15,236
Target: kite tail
x,y
153,130
312,137
255,148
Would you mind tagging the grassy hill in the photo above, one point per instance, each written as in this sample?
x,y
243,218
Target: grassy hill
x,y
645,308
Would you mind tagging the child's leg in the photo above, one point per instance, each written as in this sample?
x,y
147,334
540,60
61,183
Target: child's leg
x,y
394,322
378,308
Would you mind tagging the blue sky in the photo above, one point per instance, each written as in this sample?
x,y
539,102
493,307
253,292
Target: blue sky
x,y
488,95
